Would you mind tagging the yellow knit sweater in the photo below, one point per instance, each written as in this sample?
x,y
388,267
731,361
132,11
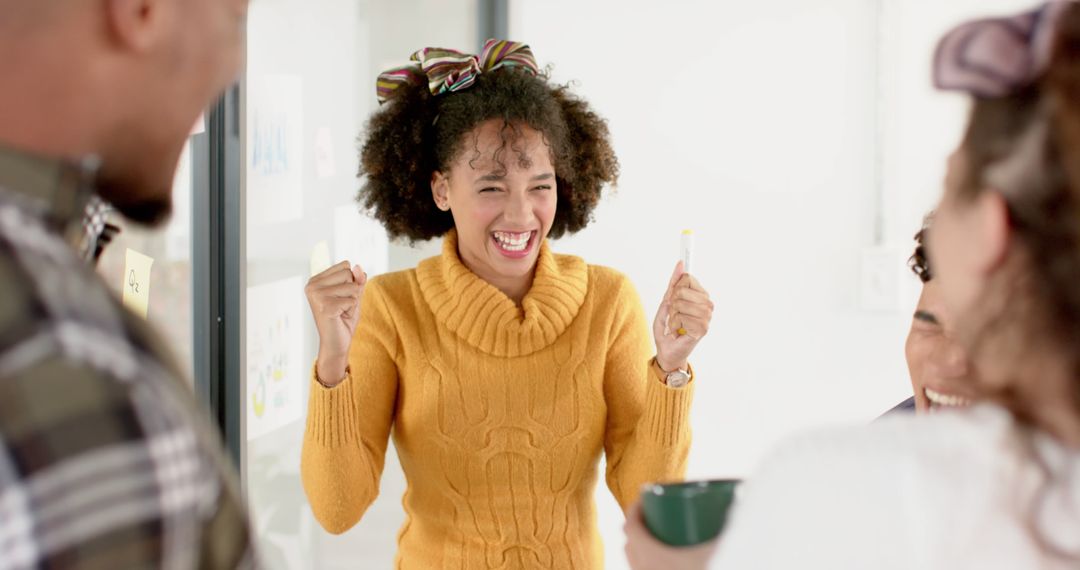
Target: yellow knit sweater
x,y
499,414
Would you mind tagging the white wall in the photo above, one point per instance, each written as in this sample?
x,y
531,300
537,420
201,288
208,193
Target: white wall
x,y
922,125
777,131
754,125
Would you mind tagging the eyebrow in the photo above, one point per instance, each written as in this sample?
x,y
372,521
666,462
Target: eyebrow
x,y
499,177
926,317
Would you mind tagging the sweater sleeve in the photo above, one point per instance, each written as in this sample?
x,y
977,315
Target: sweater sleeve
x,y
647,437
348,426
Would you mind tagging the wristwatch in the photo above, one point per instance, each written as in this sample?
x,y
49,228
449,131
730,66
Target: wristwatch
x,y
676,378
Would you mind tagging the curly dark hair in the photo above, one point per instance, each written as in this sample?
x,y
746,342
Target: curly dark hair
x,y
416,133
919,262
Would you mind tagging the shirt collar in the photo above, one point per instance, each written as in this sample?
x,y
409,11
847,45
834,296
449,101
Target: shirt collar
x,y
57,189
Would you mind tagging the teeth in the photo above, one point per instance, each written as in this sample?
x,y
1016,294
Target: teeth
x,y
945,399
513,241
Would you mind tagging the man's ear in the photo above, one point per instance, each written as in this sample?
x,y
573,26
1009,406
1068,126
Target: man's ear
x,y
137,24
440,190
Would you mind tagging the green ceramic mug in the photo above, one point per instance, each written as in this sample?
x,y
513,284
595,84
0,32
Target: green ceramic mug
x,y
685,514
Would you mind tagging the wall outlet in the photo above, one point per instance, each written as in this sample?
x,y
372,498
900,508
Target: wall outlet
x,y
880,271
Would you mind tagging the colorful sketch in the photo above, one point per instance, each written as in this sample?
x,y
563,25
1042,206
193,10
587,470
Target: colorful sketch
x,y
275,147
275,372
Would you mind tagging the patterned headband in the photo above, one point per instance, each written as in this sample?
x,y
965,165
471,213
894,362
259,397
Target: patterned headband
x,y
448,71
995,57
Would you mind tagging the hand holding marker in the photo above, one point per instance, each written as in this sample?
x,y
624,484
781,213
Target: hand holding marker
x,y
687,253
684,315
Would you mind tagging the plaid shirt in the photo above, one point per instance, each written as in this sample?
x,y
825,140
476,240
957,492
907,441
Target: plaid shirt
x,y
105,461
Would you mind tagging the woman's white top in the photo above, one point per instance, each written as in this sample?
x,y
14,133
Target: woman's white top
x,y
955,490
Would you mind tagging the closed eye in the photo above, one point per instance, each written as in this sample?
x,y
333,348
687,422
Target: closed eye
x,y
541,188
489,190
927,319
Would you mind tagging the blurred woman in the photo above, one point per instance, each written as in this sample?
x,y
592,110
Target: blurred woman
x,y
996,485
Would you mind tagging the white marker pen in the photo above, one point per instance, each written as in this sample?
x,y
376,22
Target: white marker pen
x,y
687,255
687,249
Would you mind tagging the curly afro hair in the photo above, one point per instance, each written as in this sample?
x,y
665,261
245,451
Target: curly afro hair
x,y
415,134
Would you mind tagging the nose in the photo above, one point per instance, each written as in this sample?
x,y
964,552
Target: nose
x,y
518,209
951,360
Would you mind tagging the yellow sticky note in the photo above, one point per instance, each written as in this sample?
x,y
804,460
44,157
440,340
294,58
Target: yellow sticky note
x,y
320,258
137,282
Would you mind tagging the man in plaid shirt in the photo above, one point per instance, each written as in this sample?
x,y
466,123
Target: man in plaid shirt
x,y
105,461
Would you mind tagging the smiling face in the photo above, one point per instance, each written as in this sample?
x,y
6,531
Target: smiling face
x,y
941,375
502,194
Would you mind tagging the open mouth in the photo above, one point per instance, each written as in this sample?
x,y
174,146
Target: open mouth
x,y
939,400
514,244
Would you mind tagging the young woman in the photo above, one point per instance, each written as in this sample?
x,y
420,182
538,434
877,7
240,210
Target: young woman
x,y
996,486
502,369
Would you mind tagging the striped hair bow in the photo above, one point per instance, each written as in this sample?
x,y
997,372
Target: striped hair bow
x,y
995,57
448,71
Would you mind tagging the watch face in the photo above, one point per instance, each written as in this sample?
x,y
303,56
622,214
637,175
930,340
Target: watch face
x,y
678,379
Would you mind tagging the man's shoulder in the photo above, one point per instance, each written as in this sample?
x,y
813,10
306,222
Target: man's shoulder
x,y
907,407
53,408
74,376
54,405
20,306
100,462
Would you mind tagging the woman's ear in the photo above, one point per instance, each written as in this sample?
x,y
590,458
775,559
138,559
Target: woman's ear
x,y
440,191
994,231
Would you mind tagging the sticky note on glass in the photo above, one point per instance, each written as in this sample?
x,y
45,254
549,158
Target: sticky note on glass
x,y
320,258
137,282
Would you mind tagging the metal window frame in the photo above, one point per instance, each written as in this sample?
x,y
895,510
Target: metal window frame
x,y
494,20
216,234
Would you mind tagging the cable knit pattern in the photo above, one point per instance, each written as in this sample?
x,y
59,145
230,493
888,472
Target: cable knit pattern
x,y
499,413
487,319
